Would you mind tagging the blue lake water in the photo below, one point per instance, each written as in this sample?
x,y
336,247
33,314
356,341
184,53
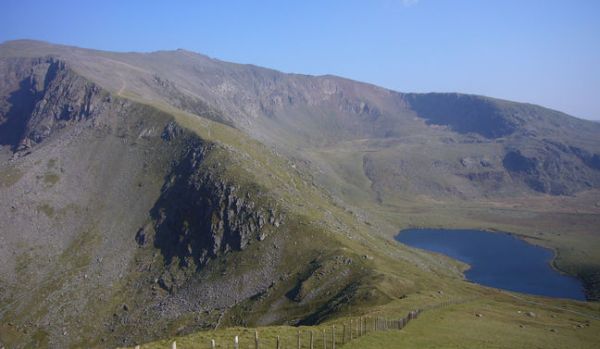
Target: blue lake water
x,y
498,260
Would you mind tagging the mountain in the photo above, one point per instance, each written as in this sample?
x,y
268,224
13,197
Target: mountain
x,y
513,146
147,194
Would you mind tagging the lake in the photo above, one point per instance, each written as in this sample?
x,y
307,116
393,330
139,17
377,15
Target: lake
x,y
498,260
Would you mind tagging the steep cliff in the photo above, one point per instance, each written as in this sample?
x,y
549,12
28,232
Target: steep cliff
x,y
199,217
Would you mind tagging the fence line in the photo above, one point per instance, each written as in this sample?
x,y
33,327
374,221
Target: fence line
x,y
330,337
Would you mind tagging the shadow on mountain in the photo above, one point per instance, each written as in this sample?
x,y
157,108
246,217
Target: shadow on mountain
x,y
14,123
462,113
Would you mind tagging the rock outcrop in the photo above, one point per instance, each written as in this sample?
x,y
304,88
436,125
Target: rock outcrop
x,y
554,168
44,95
199,216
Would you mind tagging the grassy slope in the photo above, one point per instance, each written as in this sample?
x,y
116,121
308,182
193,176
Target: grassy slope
x,y
505,322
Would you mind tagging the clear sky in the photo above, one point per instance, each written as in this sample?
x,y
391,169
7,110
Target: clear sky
x,y
540,51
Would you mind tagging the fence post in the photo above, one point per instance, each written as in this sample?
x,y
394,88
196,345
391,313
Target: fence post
x,y
324,340
278,344
362,321
311,340
256,343
137,347
236,342
213,344
343,333
174,345
350,329
333,337
361,326
299,339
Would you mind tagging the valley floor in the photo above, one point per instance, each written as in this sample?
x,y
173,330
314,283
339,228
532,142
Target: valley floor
x,y
566,225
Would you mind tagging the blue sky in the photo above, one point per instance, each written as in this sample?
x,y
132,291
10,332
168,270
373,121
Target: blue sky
x,y
540,51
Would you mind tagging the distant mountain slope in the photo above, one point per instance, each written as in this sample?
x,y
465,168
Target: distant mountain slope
x,y
523,147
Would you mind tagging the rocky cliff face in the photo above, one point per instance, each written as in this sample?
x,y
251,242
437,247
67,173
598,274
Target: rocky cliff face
x,y
464,114
554,168
199,217
41,96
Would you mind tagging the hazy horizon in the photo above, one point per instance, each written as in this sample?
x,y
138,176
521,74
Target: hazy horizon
x,y
537,52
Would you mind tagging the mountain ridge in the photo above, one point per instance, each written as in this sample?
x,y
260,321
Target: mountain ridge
x,y
47,44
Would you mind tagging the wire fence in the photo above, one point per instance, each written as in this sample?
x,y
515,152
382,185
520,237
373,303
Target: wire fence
x,y
324,337
316,337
